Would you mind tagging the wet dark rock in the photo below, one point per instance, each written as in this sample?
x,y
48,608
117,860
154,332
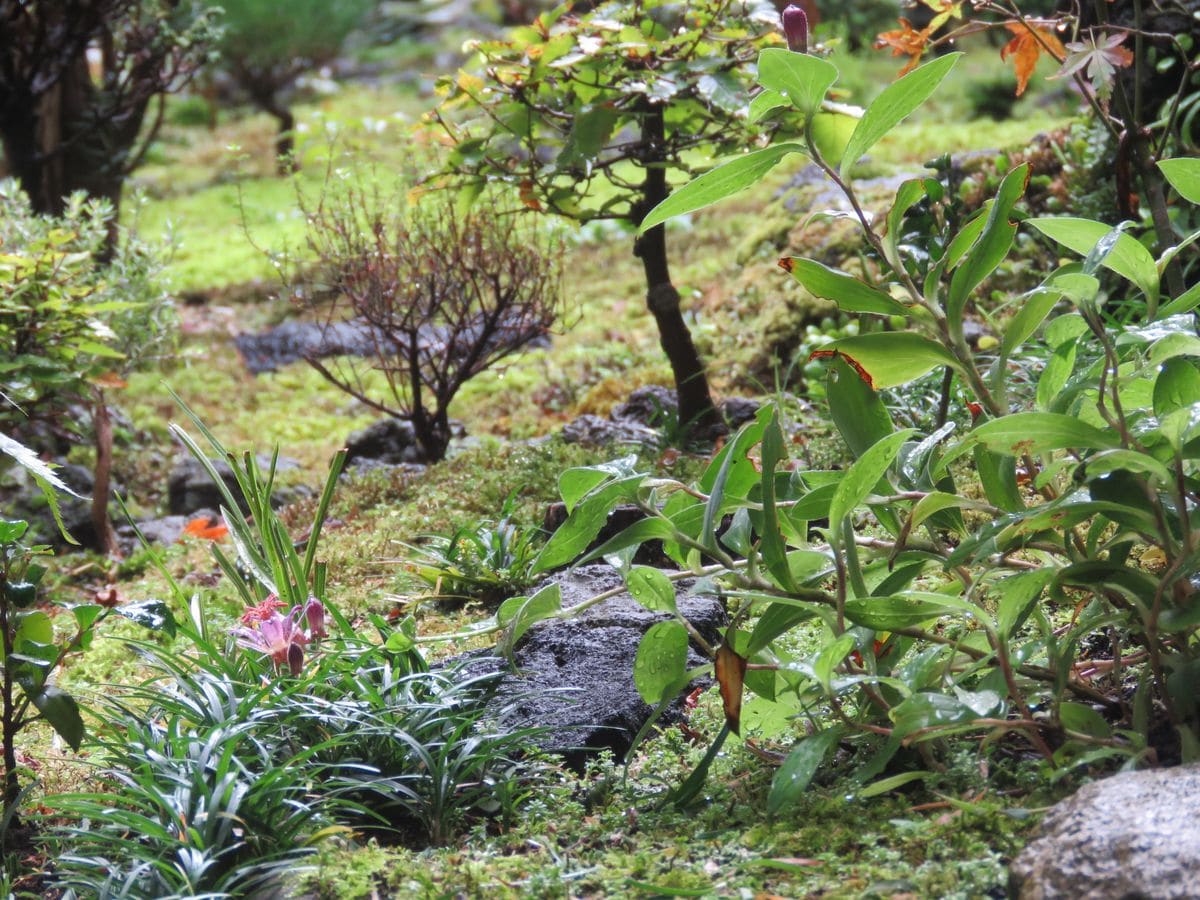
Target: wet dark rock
x,y
1134,836
389,441
574,677
737,411
651,405
163,530
189,488
294,341
595,431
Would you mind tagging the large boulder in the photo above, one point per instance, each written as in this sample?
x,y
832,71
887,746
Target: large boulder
x,y
1134,836
574,677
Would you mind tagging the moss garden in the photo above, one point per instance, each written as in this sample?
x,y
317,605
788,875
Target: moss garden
x,y
456,448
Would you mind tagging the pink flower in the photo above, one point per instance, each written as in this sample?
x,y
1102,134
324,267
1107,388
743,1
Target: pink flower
x,y
274,636
282,637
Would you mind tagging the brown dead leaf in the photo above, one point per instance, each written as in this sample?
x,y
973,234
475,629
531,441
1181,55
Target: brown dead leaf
x,y
905,41
731,673
1026,48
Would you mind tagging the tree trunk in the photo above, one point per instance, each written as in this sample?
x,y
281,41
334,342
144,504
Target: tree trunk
x,y
285,141
696,411
55,145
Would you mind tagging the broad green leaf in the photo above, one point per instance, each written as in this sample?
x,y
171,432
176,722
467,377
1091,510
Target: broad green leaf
x,y
889,359
590,131
889,784
830,658
764,102
518,614
1017,595
1184,176
11,530
1038,432
1128,258
725,180
1035,306
1128,461
862,476
968,235
927,709
85,617
585,522
903,610
1185,302
1177,386
661,663
1083,719
895,104
651,588
831,133
993,245
1058,369
62,712
860,415
797,771
777,619
998,476
576,483
636,534
847,292
936,501
907,195
803,79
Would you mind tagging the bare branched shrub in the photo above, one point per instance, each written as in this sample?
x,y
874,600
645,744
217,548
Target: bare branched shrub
x,y
442,295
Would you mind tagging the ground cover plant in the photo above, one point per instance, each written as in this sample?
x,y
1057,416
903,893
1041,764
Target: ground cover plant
x,y
955,541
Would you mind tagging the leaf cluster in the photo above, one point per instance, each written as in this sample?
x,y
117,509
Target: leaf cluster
x,y
937,606
562,103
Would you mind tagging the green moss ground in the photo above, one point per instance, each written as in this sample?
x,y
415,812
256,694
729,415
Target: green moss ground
x,y
592,836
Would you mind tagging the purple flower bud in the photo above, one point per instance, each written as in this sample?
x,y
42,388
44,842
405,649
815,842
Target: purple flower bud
x,y
314,613
795,28
295,658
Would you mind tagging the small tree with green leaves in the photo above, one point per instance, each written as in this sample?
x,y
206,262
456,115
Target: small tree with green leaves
x,y
588,116
267,49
